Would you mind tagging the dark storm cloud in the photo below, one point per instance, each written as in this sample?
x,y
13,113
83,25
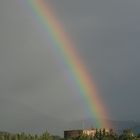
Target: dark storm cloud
x,y
106,34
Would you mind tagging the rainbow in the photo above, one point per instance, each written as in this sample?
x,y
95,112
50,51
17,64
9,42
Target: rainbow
x,y
65,49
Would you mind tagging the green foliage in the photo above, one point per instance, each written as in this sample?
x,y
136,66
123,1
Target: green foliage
x,y
83,137
23,136
138,136
100,135
127,135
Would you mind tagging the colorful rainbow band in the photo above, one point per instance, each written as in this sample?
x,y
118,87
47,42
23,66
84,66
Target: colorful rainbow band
x,y
67,51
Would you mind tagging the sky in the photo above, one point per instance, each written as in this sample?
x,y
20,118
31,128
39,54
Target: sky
x,y
106,34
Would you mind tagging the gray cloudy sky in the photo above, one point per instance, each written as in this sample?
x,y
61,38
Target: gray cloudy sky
x,y
107,36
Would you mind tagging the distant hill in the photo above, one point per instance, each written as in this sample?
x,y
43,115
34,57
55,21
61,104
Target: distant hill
x,y
118,126
32,121
136,129
27,120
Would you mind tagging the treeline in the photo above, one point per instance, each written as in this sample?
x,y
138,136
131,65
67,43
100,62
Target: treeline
x,y
126,135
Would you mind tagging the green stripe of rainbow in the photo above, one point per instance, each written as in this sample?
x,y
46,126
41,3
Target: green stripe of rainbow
x,y
66,48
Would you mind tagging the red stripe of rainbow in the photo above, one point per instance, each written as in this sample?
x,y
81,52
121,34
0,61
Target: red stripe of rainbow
x,y
66,48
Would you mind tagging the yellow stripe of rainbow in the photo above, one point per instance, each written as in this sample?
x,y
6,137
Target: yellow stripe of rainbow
x,y
86,86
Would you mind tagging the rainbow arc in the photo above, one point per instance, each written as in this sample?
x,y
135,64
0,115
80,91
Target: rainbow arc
x,y
87,89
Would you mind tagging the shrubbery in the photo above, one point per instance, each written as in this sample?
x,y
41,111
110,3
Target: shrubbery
x,y
126,135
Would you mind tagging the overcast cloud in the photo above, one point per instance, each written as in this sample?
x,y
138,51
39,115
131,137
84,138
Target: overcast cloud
x,y
107,36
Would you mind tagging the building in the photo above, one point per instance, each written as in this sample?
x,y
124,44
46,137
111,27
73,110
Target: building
x,y
72,133
89,132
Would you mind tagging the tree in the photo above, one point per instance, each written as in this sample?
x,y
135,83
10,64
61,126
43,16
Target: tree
x,y
127,135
